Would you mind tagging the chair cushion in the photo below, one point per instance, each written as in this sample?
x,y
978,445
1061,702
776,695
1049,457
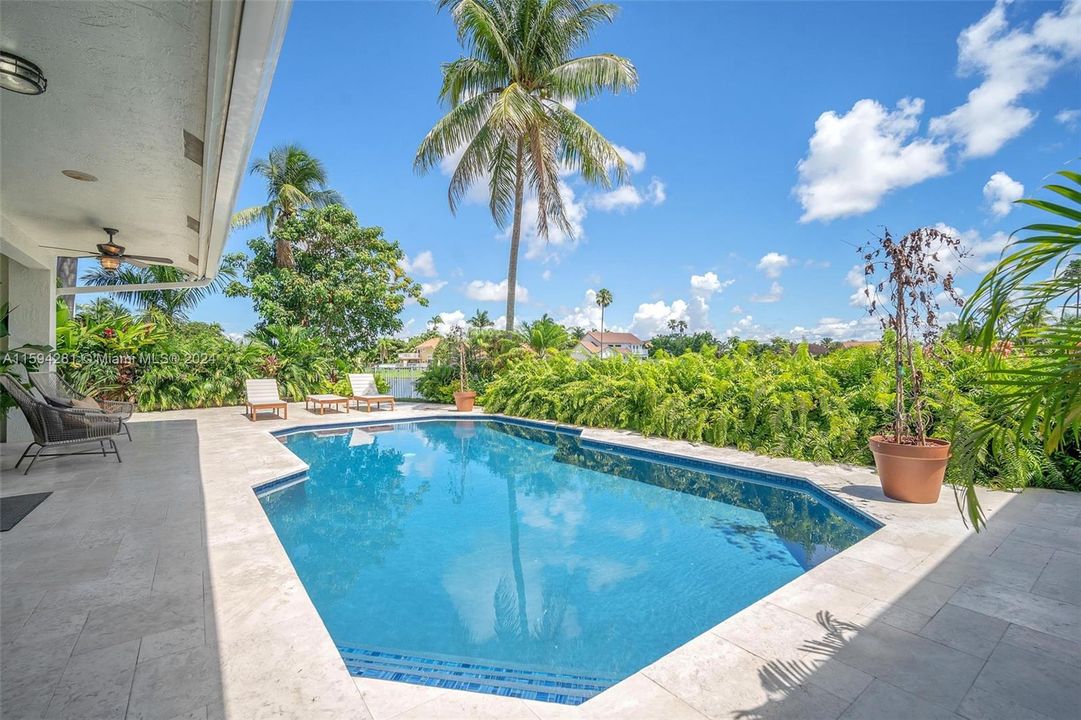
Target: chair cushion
x,y
86,403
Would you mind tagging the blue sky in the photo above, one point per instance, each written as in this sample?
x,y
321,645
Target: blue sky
x,y
768,140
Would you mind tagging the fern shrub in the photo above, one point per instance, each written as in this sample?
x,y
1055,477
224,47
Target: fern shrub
x,y
777,403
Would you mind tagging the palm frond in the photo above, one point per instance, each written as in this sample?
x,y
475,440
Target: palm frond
x,y
589,76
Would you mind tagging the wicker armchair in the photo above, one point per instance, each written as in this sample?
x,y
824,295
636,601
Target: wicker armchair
x,y
55,427
59,393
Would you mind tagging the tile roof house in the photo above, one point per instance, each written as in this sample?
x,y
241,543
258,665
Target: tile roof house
x,y
613,343
422,353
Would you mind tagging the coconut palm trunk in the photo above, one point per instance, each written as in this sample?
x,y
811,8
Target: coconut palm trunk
x,y
602,332
515,236
516,556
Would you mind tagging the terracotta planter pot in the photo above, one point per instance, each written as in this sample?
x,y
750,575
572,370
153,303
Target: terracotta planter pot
x,y
464,400
911,473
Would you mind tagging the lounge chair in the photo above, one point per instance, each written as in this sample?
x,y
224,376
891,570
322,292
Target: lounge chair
x,y
365,391
58,393
263,395
54,427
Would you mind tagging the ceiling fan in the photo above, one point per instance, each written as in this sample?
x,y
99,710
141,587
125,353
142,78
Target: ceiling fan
x,y
110,255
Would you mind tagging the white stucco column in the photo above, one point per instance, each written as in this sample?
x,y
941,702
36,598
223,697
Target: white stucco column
x,y
31,295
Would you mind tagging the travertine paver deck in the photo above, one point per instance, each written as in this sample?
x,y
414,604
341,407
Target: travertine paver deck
x,y
157,589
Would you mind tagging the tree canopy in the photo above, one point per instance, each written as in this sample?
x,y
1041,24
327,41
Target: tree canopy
x,y
347,282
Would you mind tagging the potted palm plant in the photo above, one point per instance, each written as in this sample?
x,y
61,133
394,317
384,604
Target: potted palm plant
x,y
463,398
911,466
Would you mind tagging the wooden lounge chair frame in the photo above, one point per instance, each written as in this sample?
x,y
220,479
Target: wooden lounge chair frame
x,y
263,395
365,391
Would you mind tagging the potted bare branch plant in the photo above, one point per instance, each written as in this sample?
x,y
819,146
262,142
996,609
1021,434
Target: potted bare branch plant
x,y
463,398
911,466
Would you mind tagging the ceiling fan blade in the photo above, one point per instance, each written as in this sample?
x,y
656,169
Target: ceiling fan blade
x,y
84,252
148,258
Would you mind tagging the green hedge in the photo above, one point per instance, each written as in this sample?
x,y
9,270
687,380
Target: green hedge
x,y
783,404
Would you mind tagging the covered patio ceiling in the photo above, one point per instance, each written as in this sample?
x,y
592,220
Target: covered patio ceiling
x,y
160,102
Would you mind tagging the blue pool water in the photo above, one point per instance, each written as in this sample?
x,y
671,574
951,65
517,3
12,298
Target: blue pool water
x,y
521,561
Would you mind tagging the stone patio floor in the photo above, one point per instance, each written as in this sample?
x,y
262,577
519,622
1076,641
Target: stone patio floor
x,y
156,588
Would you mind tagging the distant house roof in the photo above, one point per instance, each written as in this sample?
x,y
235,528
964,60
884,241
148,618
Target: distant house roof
x,y
612,338
430,344
591,342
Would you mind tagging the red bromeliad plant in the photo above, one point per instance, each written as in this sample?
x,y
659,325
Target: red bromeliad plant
x,y
914,278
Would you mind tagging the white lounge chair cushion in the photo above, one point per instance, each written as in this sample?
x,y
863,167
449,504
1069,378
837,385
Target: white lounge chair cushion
x,y
263,392
364,386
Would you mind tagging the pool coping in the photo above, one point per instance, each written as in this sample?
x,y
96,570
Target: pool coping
x,y
760,476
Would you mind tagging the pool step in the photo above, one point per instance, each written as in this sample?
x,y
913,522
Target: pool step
x,y
465,674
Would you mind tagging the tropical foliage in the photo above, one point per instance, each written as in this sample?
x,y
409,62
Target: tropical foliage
x,y
16,361
173,304
346,284
545,336
1024,317
511,116
165,365
777,402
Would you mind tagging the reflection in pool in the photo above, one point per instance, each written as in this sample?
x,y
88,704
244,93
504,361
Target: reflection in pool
x,y
504,558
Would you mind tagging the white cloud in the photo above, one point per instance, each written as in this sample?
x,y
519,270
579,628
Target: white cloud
x,y
488,291
635,161
1013,62
703,288
865,292
1000,192
854,160
747,329
586,315
1071,119
652,318
629,197
656,191
773,263
423,264
431,288
736,310
449,320
774,294
546,275
982,253
708,284
866,328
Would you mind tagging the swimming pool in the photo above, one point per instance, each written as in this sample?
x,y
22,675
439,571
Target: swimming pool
x,y
516,559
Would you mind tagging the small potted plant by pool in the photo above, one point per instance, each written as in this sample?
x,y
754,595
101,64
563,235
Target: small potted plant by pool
x,y
463,398
911,465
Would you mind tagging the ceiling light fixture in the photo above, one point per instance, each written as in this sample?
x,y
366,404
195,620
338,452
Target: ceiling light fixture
x,y
20,75
109,262
79,175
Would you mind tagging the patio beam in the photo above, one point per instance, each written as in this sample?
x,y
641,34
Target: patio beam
x,y
137,287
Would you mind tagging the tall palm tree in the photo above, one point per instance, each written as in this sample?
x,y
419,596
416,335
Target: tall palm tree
x,y
480,320
171,304
435,322
604,299
295,180
507,114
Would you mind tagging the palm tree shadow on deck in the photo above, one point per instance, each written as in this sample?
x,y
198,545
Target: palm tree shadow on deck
x,y
783,676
